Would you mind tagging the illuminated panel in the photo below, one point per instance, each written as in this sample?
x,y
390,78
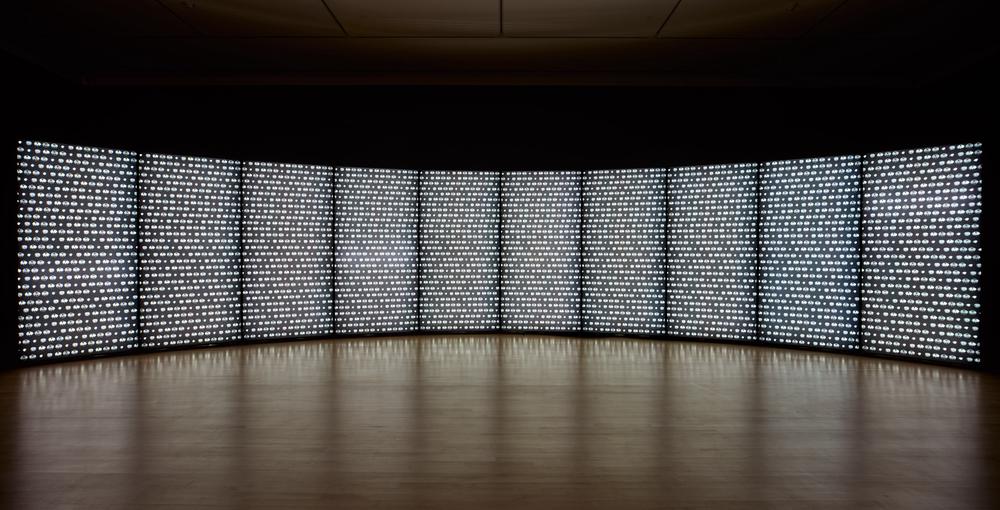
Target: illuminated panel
x,y
809,251
541,251
376,250
712,251
76,255
189,228
623,251
921,265
287,250
459,243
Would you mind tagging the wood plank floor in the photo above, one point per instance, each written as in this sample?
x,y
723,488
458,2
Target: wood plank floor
x,y
498,421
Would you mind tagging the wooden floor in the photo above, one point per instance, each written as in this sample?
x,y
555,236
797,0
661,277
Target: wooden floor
x,y
481,422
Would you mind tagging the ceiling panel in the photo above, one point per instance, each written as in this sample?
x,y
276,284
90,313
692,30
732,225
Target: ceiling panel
x,y
585,17
418,17
721,41
93,17
743,18
257,17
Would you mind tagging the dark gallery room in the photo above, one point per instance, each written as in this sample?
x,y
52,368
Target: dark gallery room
x,y
499,254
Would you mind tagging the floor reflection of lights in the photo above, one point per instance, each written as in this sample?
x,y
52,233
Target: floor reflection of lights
x,y
496,420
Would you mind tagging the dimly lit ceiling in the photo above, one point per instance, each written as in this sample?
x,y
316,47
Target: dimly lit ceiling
x,y
683,42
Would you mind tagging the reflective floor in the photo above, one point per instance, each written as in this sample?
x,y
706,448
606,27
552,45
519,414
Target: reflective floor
x,y
504,421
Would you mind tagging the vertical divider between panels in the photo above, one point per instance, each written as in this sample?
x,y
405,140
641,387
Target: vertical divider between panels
x,y
500,231
241,244
863,167
758,265
420,249
138,251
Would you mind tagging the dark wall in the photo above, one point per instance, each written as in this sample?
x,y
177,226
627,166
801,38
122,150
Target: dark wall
x,y
484,127
496,128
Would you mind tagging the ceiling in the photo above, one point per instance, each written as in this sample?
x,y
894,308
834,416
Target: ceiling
x,y
680,42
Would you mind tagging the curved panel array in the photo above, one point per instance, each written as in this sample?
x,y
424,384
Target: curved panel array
x,y
119,252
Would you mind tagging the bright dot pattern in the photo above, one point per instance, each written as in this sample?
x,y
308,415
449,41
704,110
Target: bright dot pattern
x,y
541,251
921,266
810,212
459,250
189,250
623,251
287,250
76,258
119,251
712,251
376,283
